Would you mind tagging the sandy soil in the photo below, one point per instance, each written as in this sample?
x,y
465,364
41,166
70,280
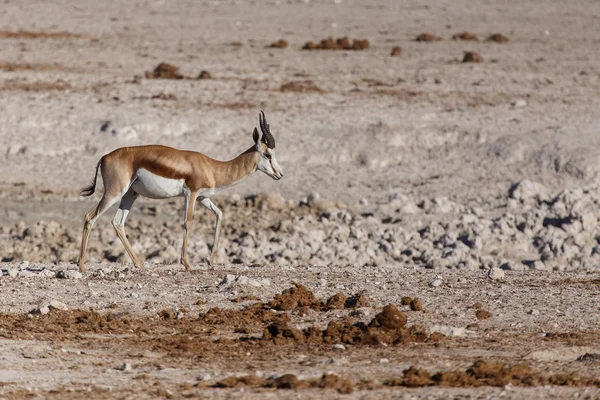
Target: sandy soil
x,y
470,186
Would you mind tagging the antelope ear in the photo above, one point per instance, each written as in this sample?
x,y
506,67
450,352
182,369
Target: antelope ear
x,y
255,136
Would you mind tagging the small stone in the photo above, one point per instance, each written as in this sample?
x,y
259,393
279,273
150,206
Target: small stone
x,y
12,272
437,281
534,312
384,360
472,57
69,274
483,314
396,51
416,305
46,306
495,274
203,377
125,367
518,103
338,347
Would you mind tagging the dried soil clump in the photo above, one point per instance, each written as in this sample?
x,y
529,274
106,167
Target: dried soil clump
x,y
483,314
396,51
498,38
204,75
342,43
280,44
164,71
427,37
465,36
416,305
241,381
486,373
472,57
388,327
294,297
389,318
37,35
336,302
301,87
252,316
356,301
289,381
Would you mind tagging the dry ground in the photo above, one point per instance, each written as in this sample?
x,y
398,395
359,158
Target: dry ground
x,y
359,129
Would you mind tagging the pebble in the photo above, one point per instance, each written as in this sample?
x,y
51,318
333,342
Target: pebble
x,y
437,281
495,274
125,367
49,305
338,347
69,274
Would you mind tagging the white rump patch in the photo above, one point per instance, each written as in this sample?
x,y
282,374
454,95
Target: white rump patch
x,y
156,187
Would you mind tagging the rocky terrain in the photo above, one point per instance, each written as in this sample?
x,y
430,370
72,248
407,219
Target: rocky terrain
x,y
436,233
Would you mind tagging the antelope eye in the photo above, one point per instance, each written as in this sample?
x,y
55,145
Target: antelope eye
x,y
268,156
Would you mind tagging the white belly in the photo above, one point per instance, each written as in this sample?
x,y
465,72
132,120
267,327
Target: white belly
x,y
156,187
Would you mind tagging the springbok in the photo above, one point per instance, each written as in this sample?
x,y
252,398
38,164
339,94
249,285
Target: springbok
x,y
161,172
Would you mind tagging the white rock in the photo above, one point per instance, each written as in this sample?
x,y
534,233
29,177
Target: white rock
x,y
125,367
203,377
449,330
437,281
48,305
518,103
384,360
527,191
26,273
338,347
495,274
560,354
12,272
69,274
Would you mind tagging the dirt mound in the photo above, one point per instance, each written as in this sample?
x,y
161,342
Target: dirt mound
x,y
294,297
250,317
342,43
396,51
63,322
472,57
388,327
465,36
204,75
356,301
483,314
280,44
389,318
299,297
336,302
416,304
164,71
38,35
289,381
498,38
487,373
427,37
301,87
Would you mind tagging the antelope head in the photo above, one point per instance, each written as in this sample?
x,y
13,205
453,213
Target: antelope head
x,y
266,149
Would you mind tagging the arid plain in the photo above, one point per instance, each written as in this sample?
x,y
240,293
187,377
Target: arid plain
x,y
435,234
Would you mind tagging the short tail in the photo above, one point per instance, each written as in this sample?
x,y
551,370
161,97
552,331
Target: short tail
x,y
89,190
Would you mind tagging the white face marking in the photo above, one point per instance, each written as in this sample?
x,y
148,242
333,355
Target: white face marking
x,y
269,165
156,187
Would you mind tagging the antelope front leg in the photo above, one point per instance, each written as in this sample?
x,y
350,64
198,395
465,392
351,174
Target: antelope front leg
x,y
190,201
211,206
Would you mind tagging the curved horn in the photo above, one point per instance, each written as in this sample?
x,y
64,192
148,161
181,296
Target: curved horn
x,y
264,127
